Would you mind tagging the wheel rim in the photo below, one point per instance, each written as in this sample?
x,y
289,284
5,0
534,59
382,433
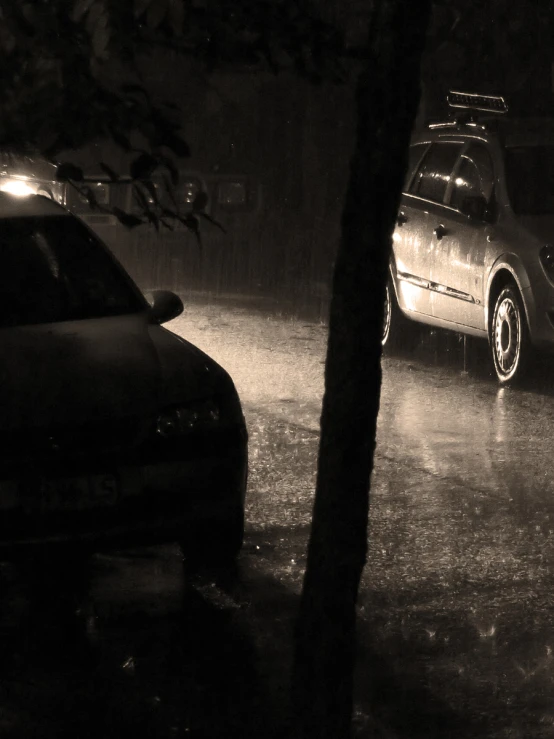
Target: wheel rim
x,y
387,316
507,335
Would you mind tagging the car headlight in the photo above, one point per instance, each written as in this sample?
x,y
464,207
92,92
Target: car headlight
x,y
546,255
183,419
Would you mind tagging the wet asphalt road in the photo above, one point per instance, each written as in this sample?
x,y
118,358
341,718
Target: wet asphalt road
x,y
456,614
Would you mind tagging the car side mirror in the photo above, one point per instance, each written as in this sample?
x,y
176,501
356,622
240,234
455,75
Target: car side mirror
x,y
164,306
478,208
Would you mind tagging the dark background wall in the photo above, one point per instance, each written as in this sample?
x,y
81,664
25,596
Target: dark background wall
x,y
290,141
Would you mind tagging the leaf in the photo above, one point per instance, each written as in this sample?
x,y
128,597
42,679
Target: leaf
x,y
127,219
28,10
131,88
176,144
200,202
143,166
114,177
87,192
120,139
100,42
141,6
154,220
176,13
90,195
7,41
169,190
57,146
167,225
140,197
136,95
80,9
213,221
95,13
156,13
172,169
193,224
153,191
68,171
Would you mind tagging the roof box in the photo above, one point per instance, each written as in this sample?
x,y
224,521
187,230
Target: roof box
x,y
473,101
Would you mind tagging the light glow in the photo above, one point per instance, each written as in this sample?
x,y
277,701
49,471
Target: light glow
x,y
18,188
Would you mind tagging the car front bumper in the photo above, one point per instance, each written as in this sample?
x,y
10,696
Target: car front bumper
x,y
153,503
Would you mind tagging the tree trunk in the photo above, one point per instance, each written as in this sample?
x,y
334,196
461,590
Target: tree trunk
x,y
387,101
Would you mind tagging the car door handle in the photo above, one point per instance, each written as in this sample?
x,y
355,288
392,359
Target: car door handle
x,y
440,231
401,219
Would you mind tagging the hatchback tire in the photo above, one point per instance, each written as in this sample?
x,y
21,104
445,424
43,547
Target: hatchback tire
x,y
509,337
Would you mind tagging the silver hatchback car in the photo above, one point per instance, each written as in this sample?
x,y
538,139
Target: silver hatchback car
x,y
473,250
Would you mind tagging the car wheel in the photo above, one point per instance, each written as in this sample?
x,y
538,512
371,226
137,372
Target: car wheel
x,y
510,343
215,543
399,333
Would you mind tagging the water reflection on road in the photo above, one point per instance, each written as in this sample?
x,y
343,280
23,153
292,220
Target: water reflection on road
x,y
460,426
456,611
459,582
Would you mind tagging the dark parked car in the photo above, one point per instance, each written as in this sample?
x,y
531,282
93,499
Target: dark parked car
x,y
114,431
473,250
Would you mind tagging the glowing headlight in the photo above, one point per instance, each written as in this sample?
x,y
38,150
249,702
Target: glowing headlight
x,y
183,419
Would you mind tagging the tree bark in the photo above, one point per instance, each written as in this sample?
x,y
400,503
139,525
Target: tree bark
x,y
388,94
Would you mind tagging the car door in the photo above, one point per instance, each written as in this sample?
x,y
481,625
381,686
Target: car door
x,y
413,241
460,234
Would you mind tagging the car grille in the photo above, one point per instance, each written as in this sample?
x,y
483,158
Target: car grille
x,y
72,442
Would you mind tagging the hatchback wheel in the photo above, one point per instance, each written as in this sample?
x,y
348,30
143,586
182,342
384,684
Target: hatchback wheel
x,y
510,344
398,331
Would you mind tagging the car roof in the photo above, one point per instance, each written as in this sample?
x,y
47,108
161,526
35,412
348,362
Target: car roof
x,y
13,206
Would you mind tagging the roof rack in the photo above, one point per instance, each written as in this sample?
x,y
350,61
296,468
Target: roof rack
x,y
470,108
472,101
458,121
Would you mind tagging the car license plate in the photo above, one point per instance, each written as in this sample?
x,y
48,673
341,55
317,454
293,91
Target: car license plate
x,y
71,494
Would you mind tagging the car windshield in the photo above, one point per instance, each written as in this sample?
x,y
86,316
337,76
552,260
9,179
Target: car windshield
x,y
53,269
530,179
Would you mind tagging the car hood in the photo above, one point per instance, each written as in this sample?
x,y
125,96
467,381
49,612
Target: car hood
x,y
74,372
541,227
